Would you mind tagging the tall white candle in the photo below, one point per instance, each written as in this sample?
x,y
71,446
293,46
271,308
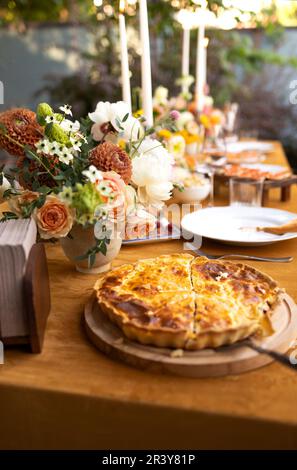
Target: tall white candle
x,y
146,74
126,89
186,57
200,65
206,41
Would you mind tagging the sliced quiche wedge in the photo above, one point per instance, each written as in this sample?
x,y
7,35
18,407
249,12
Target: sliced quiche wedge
x,y
233,301
179,301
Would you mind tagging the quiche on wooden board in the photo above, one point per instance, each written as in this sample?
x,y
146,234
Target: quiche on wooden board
x,y
179,301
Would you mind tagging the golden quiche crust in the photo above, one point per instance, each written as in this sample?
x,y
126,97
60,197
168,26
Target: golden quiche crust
x,y
178,301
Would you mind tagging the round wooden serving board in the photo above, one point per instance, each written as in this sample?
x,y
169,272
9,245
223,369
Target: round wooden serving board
x,y
206,363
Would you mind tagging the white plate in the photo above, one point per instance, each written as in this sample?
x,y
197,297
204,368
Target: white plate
x,y
237,147
265,167
235,225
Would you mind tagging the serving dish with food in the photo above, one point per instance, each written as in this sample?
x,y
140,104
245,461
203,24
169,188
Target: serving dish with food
x,y
195,186
180,310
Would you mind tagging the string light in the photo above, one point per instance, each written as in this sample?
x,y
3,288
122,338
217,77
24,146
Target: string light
x,y
122,6
187,18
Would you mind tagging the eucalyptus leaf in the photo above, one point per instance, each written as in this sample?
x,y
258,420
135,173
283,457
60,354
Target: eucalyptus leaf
x,y
8,216
92,259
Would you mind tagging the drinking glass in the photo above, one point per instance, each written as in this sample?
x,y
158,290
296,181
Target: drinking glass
x,y
246,192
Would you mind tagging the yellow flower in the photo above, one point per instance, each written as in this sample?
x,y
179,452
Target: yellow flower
x,y
191,139
205,121
215,118
183,133
165,133
122,144
176,145
138,113
192,128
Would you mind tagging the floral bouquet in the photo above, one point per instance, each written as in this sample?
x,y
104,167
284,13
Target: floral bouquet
x,y
103,175
212,120
193,129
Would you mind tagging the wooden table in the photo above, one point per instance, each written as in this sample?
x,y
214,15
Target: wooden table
x,y
72,396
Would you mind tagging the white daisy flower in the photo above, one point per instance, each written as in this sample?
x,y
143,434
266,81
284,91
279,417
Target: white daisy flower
x,y
82,137
56,148
66,194
101,211
66,109
69,126
76,144
50,119
93,175
104,189
43,146
65,156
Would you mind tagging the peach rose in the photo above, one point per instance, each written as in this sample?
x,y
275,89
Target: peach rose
x,y
16,203
54,219
115,182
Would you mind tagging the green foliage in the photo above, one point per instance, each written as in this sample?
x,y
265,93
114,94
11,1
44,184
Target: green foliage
x,y
26,11
228,51
8,216
56,134
99,247
85,200
43,110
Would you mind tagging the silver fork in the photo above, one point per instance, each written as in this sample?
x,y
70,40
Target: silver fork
x,y
286,259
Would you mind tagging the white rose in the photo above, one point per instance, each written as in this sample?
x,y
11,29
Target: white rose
x,y
152,173
132,129
153,147
153,165
130,195
159,191
4,187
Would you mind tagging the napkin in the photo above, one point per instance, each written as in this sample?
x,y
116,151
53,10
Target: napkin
x,y
16,240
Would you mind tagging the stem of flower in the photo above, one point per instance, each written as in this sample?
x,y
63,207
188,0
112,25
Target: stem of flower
x,y
149,150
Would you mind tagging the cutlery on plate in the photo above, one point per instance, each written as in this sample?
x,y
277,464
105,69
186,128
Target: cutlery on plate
x,y
277,356
280,229
286,259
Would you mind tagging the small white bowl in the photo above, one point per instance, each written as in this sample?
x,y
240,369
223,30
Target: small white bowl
x,y
192,194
